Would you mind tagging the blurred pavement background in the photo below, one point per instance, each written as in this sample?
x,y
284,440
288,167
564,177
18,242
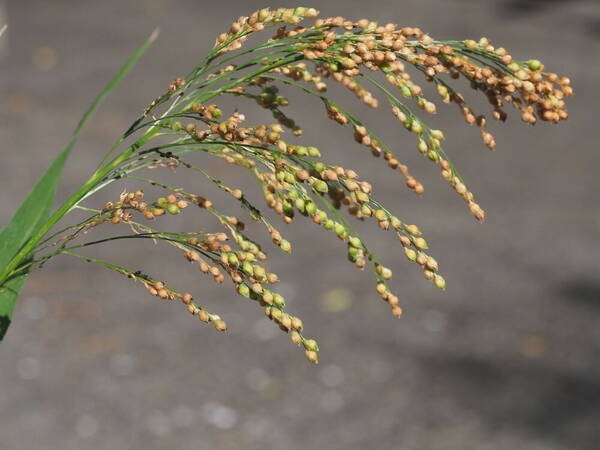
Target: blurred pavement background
x,y
507,358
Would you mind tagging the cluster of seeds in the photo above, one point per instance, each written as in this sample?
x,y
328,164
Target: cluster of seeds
x,y
214,256
257,21
161,290
388,49
295,182
295,179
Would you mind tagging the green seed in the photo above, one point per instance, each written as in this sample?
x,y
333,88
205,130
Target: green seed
x,y
172,208
311,344
290,178
314,152
278,300
244,290
339,228
534,64
320,167
410,254
353,253
321,186
355,242
321,214
420,243
439,281
288,207
433,156
301,150
438,134
311,208
285,246
300,11
259,272
247,267
281,100
301,205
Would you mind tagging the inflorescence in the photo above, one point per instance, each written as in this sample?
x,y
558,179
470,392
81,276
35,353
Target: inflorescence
x,y
295,179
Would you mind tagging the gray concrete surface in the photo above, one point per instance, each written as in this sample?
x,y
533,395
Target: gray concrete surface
x,y
505,359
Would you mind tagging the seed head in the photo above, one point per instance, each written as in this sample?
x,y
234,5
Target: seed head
x,y
294,176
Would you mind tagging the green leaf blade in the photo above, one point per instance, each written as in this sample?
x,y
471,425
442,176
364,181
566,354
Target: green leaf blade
x,y
33,215
9,293
32,212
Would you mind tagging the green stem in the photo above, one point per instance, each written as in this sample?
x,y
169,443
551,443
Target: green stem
x,y
120,269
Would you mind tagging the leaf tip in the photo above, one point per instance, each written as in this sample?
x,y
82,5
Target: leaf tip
x,y
154,35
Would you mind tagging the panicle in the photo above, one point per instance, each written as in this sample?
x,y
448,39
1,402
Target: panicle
x,y
296,181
